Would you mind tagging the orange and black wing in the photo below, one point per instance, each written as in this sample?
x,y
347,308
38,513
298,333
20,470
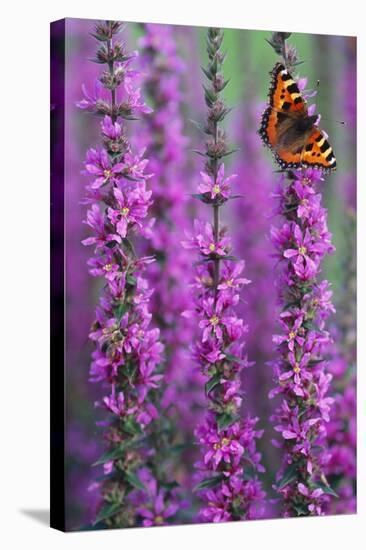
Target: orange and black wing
x,y
318,153
286,100
284,97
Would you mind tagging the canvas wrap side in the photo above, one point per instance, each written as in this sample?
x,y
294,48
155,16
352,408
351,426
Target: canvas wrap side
x,y
57,421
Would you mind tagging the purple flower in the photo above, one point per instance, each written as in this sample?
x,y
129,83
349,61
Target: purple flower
x,y
117,404
216,510
111,130
215,322
134,166
104,266
223,447
219,187
102,235
229,276
298,372
304,247
204,241
292,327
129,209
133,101
98,164
147,379
313,496
90,101
158,513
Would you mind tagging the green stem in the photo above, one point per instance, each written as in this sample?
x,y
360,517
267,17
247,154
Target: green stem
x,y
113,91
216,224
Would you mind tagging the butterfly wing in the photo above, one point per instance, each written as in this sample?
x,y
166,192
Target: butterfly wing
x,y
287,105
284,94
284,97
318,153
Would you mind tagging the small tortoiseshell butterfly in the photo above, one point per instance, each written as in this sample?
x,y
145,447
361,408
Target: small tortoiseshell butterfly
x,y
289,131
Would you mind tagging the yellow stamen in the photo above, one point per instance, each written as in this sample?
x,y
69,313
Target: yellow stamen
x,y
229,282
216,189
302,250
107,267
125,211
296,368
225,441
107,173
214,320
159,520
212,247
292,335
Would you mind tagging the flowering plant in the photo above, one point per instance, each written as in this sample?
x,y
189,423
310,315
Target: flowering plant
x,y
301,240
128,350
229,464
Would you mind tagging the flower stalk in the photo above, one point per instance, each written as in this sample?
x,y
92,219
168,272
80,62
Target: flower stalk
x,y
227,471
302,240
127,355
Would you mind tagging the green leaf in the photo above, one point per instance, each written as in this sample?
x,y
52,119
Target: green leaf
x,y
169,485
212,383
203,197
301,509
212,68
310,325
250,472
111,244
232,197
209,482
107,511
134,481
326,489
297,63
206,73
314,362
112,454
224,113
131,426
210,95
289,475
131,280
232,151
233,358
225,420
200,153
130,371
120,310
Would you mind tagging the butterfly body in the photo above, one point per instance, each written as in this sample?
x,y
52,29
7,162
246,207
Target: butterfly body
x,y
288,129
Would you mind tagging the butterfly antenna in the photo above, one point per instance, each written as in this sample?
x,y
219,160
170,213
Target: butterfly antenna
x,y
343,122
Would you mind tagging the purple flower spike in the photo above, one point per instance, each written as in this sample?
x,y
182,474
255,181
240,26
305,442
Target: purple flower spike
x,y
227,472
302,240
128,352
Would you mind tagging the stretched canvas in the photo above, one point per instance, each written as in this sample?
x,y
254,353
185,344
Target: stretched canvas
x,y
203,223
